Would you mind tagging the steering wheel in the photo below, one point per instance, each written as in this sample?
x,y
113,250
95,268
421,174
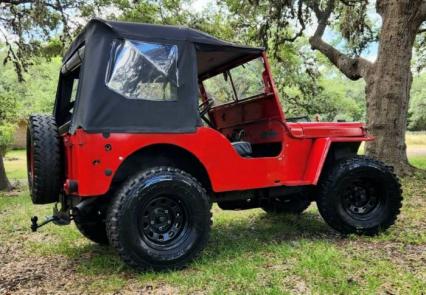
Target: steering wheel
x,y
205,106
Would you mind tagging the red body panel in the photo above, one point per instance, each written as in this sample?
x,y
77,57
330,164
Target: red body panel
x,y
93,159
299,162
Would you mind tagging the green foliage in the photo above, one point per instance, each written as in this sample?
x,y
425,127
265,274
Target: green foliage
x,y
420,50
40,87
19,99
417,111
8,111
42,28
178,12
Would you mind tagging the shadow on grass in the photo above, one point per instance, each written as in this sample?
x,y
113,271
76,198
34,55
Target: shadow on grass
x,y
230,237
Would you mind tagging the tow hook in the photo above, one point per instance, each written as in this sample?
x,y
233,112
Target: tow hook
x,y
35,225
58,218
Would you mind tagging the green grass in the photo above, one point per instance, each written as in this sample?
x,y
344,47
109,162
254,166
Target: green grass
x,y
249,252
15,163
418,161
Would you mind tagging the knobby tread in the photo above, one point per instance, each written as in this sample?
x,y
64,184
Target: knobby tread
x,y
43,136
326,187
112,220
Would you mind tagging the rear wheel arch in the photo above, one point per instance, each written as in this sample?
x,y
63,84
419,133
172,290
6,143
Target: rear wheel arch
x,y
163,155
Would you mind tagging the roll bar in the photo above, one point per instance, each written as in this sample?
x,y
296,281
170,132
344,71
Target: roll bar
x,y
73,62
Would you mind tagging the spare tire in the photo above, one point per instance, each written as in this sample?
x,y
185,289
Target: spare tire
x,y
44,161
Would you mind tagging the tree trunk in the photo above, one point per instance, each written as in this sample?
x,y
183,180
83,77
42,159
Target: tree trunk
x,y
388,79
388,86
4,181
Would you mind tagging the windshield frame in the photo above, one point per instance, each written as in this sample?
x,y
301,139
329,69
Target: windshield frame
x,y
228,75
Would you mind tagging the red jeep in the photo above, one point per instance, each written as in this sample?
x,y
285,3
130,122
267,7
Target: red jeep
x,y
154,123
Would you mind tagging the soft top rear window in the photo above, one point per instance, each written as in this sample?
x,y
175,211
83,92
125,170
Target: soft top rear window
x,y
144,70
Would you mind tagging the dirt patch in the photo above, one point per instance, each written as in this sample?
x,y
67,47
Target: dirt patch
x,y
23,273
18,187
10,159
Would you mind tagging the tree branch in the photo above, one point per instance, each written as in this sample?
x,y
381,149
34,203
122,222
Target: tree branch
x,y
15,2
423,10
322,17
353,68
301,22
419,15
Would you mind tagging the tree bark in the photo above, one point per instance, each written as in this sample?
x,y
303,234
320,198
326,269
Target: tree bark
x,y
4,181
389,83
388,80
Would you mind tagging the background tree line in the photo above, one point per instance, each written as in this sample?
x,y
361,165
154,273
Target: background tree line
x,y
316,47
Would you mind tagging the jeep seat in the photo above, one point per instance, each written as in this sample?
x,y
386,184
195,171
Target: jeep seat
x,y
243,148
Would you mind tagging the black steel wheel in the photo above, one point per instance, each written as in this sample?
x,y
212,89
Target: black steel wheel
x,y
160,219
360,195
288,205
164,219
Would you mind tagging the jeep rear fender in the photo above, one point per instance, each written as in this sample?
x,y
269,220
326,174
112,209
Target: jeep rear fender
x,y
162,155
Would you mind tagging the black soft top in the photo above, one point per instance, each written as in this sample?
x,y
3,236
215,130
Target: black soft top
x,y
207,46
98,108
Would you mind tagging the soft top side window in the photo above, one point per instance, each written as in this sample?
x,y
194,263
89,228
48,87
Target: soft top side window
x,y
144,70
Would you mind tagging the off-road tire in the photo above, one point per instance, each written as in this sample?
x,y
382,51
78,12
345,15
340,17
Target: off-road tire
x,y
137,240
93,230
360,195
296,205
44,161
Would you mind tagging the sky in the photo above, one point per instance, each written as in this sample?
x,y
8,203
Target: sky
x,y
199,5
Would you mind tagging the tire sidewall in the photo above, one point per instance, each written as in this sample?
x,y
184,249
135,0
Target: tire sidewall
x,y
197,212
30,159
44,159
331,207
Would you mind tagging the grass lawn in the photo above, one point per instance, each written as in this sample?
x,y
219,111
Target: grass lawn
x,y
418,161
15,163
249,252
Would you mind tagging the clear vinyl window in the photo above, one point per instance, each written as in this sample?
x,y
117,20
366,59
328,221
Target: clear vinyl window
x,y
143,70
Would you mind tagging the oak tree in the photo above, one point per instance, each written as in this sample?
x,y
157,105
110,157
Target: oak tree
x,y
388,79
